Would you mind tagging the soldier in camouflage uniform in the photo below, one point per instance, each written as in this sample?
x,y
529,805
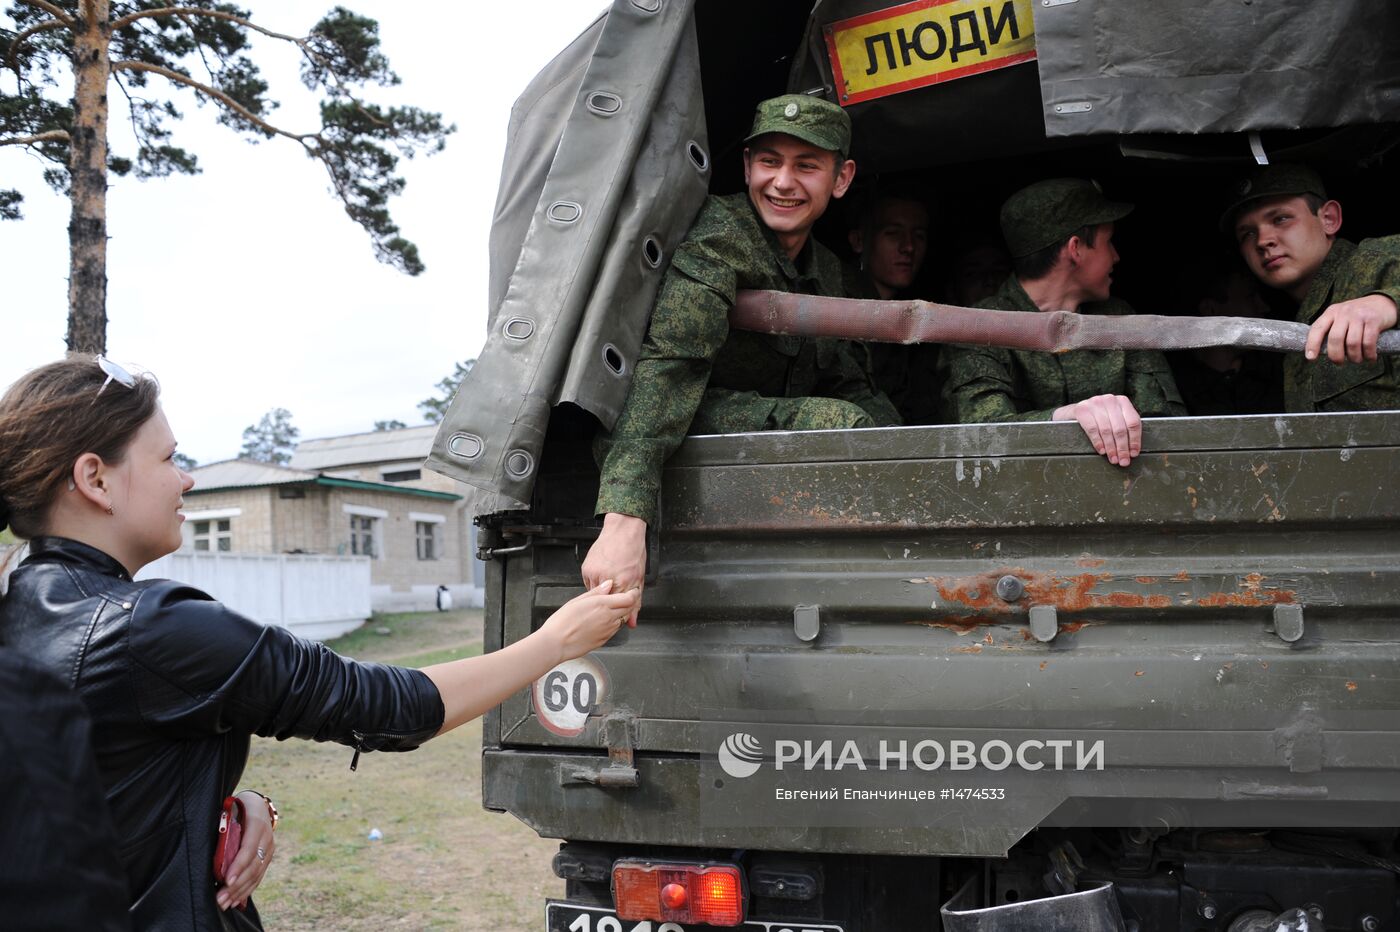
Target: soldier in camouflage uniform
x,y
890,240
693,374
1060,236
1347,292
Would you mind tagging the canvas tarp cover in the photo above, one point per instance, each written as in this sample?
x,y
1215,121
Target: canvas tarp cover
x,y
1186,66
1178,67
606,165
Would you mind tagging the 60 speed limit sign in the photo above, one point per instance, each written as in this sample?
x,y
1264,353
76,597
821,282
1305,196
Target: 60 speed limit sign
x,y
565,696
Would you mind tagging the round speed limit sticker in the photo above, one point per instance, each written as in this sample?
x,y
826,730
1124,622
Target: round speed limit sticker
x,y
565,696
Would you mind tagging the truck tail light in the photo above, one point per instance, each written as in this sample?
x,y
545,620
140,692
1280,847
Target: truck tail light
x,y
708,893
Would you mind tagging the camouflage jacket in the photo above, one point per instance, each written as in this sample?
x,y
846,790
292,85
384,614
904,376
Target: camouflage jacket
x,y
689,347
905,374
1349,271
984,384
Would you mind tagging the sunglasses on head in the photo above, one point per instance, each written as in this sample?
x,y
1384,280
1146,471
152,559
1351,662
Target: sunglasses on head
x,y
115,373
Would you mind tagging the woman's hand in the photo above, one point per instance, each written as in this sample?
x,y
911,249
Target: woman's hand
x,y
254,855
586,622
470,686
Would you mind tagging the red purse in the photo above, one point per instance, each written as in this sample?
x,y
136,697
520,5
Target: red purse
x,y
230,839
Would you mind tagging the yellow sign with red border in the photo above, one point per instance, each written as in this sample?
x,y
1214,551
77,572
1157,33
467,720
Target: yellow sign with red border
x,y
926,42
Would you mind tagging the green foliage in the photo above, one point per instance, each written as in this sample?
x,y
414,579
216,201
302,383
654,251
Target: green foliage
x,y
272,439
389,425
207,54
185,462
436,407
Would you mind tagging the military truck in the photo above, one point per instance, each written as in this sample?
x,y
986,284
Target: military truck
x,y
950,676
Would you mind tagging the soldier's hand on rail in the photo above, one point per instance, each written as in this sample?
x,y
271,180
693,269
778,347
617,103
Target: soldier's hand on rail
x,y
1111,423
619,554
1350,329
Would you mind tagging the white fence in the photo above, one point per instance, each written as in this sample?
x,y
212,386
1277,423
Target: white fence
x,y
316,597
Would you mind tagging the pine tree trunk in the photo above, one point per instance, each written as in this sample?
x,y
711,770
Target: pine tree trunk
x,y
87,228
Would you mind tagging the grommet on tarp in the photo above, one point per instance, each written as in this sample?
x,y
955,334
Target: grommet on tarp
x,y
564,211
698,156
519,464
519,328
647,6
612,358
651,251
603,103
466,446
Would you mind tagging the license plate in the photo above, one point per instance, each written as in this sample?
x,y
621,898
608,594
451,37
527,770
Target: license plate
x,y
565,917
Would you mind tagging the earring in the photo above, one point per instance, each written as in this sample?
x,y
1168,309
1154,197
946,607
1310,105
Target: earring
x,y
71,486
110,511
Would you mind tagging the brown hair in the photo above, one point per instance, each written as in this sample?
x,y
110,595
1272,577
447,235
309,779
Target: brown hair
x,y
1039,263
49,418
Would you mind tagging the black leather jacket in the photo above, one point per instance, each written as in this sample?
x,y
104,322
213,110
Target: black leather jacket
x,y
60,868
176,683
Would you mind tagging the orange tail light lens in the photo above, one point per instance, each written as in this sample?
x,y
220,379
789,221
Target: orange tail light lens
x,y
712,894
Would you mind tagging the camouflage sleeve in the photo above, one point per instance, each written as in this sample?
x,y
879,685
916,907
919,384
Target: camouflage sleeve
x,y
688,326
849,378
1375,269
1151,385
978,387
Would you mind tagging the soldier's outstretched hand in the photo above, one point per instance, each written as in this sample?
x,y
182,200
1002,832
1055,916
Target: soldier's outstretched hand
x,y
1350,329
619,554
1111,423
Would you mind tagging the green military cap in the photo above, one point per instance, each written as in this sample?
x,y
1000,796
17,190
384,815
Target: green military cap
x,y
1271,181
810,119
1047,212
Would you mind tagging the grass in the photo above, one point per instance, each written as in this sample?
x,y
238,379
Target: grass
x,y
443,862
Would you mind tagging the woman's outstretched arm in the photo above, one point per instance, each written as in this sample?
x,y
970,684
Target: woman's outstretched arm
x,y
471,686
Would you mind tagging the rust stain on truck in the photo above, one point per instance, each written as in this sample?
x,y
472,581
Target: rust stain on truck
x,y
1083,591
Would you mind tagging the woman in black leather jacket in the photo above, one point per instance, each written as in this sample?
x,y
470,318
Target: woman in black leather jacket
x,y
177,683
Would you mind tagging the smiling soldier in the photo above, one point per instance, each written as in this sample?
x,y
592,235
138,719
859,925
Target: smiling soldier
x,y
1286,229
695,375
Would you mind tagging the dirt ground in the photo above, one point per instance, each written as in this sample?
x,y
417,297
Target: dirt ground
x,y
443,862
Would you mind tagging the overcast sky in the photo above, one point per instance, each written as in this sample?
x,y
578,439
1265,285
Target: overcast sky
x,y
246,287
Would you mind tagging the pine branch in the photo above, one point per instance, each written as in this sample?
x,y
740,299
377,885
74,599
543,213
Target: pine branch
x,y
12,56
226,100
55,11
130,18
131,111
181,11
53,135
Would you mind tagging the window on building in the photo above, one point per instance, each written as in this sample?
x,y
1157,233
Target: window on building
x,y
426,534
362,534
402,475
213,535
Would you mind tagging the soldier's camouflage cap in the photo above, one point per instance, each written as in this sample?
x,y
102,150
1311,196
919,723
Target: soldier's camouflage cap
x,y
810,119
1047,212
1278,180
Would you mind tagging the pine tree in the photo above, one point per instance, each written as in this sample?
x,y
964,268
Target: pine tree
x,y
272,439
146,49
436,407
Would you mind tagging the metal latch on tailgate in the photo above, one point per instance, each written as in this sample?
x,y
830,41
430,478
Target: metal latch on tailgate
x,y
619,732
